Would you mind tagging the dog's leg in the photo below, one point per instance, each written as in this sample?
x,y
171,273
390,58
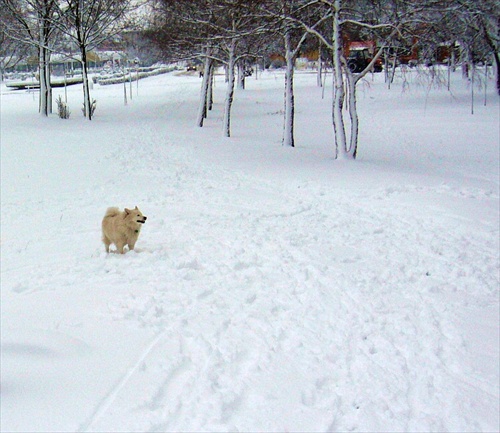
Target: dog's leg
x,y
119,247
131,246
106,242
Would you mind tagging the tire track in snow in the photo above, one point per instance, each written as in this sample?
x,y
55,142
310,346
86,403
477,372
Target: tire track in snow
x,y
104,405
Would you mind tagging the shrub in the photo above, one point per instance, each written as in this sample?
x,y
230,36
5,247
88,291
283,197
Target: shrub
x,y
92,108
62,108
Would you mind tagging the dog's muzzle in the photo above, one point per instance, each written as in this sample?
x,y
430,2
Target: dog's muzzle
x,y
143,220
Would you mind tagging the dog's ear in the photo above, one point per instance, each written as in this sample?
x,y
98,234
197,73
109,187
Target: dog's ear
x,y
136,208
127,211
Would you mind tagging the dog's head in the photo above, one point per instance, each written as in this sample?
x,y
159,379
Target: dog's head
x,y
135,215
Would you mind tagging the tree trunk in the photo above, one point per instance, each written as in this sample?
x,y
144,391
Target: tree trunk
x,y
338,86
202,110
353,113
472,84
320,66
496,56
386,68
42,79
493,44
86,89
124,93
45,97
48,84
229,90
393,71
241,75
210,95
288,138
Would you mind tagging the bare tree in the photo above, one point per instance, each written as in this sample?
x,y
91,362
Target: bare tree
x,y
288,14
12,50
379,20
479,22
188,31
221,31
89,23
32,22
232,27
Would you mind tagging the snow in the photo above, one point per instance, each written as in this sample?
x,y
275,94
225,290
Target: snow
x,y
272,289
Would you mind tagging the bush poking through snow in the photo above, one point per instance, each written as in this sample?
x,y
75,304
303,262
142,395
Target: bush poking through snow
x,y
62,108
92,108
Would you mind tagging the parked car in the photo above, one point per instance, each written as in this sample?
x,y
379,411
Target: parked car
x,y
358,60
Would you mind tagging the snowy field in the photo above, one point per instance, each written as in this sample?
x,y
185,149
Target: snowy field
x,y
272,289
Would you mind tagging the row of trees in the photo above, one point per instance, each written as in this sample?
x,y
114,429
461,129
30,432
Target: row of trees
x,y
234,32
50,26
239,33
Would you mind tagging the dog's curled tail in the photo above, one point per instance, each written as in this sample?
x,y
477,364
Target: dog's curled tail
x,y
112,212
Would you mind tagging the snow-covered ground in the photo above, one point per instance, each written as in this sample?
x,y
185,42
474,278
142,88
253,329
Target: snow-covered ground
x,y
272,289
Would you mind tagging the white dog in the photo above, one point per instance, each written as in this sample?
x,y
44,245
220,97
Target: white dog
x,y
121,228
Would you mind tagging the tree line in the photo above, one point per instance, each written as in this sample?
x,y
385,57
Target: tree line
x,y
239,34
51,26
